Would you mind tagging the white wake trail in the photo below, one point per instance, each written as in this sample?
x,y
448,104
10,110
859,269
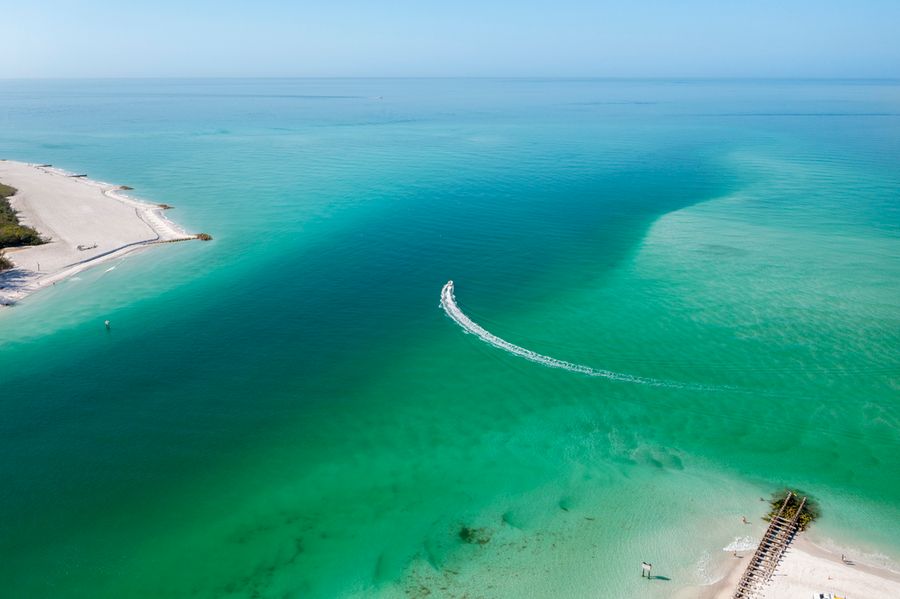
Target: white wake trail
x,y
448,303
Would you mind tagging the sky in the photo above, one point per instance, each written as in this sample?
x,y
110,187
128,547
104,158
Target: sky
x,y
461,38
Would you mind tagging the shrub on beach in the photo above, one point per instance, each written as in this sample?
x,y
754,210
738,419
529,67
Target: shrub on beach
x,y
5,263
13,234
810,508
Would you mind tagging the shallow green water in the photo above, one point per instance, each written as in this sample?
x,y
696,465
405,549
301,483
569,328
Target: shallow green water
x,y
287,411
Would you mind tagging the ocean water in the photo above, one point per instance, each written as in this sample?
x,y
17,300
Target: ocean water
x,y
287,411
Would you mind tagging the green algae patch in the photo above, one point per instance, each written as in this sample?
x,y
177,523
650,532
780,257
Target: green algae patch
x,y
810,510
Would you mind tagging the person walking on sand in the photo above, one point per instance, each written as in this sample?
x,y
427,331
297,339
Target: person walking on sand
x,y
744,519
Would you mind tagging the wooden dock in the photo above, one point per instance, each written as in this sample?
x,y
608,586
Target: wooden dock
x,y
771,549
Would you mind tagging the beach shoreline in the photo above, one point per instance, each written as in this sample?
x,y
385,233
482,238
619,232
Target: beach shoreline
x,y
86,223
807,568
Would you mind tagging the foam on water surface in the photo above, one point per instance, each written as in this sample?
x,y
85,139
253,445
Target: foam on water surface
x,y
448,303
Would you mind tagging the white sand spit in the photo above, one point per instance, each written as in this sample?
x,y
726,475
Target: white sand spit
x,y
86,221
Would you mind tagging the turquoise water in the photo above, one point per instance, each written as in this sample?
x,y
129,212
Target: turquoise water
x,y
287,411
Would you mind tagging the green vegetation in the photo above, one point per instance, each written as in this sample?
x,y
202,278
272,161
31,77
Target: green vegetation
x,y
475,536
13,234
810,508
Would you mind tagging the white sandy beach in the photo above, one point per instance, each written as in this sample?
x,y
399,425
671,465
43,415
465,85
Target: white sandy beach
x,y
71,212
807,570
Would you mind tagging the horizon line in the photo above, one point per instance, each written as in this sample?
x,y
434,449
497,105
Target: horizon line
x,y
451,77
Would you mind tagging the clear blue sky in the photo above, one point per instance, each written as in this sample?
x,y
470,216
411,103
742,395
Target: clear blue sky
x,y
623,38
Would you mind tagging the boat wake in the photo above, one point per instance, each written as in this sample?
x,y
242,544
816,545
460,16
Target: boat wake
x,y
448,303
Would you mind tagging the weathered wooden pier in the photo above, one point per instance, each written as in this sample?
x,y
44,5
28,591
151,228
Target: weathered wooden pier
x,y
771,549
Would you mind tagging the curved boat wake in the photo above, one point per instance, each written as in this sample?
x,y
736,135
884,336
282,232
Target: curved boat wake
x,y
448,303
